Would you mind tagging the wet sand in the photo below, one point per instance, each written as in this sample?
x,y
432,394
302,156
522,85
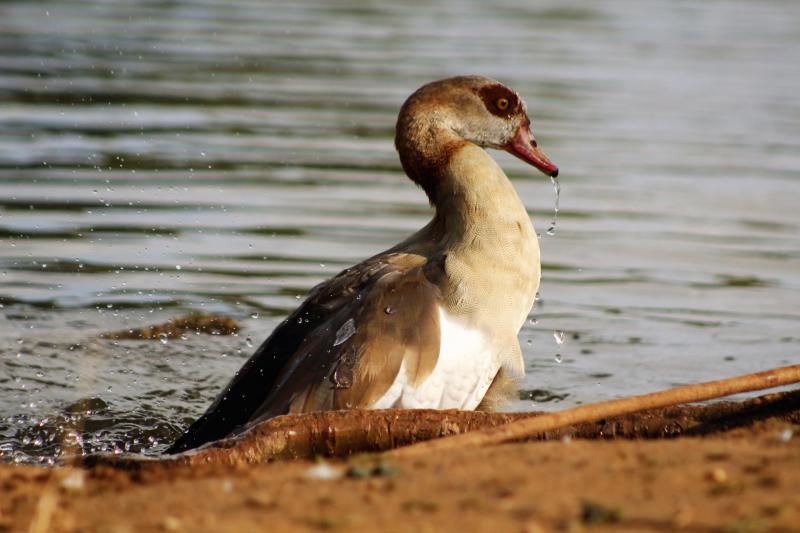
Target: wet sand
x,y
745,479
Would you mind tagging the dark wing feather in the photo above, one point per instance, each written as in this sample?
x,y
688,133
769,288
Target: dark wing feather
x,y
395,321
298,368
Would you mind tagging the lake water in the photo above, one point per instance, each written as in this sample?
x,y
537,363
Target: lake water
x,y
158,158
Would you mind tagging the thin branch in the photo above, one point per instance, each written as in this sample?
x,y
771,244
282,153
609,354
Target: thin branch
x,y
530,427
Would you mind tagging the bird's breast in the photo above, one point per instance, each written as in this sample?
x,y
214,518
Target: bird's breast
x,y
468,362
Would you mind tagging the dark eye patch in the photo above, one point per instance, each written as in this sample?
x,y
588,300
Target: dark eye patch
x,y
492,94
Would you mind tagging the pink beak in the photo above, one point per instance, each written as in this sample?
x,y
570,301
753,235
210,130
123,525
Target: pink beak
x,y
524,146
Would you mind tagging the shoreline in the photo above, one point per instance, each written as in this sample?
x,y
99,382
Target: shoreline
x,y
743,477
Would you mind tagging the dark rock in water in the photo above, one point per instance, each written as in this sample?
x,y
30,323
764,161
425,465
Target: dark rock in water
x,y
541,395
85,405
175,327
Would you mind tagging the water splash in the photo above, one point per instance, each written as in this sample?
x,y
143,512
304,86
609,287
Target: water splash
x,y
557,189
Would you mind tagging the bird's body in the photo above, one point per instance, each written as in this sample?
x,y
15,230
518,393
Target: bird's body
x,y
433,321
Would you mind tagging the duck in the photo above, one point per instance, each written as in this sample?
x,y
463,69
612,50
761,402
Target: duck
x,y
433,321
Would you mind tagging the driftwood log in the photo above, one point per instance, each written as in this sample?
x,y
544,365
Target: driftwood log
x,y
520,429
343,433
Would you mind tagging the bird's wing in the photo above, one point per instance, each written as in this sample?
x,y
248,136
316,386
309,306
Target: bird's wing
x,y
343,347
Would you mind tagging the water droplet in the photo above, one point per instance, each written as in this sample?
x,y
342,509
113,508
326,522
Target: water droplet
x,y
558,358
390,310
559,337
345,332
249,342
177,267
254,315
163,338
533,321
557,188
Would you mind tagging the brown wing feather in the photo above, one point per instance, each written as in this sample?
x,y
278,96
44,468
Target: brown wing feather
x,y
400,323
394,308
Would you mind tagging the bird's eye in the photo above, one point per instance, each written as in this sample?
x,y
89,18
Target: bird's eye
x,y
502,104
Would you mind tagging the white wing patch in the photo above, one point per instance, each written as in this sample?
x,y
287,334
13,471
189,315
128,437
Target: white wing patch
x,y
465,369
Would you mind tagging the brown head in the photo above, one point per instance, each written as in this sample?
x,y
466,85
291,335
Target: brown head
x,y
440,117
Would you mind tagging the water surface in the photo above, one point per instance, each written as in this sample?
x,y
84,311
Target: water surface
x,y
158,158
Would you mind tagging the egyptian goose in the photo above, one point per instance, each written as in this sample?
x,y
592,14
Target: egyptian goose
x,y
433,321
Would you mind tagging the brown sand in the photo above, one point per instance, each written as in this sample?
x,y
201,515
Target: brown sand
x,y
745,479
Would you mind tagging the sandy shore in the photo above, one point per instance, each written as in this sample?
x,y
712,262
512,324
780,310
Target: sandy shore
x,y
741,480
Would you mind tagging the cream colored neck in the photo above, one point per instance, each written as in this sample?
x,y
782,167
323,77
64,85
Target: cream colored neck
x,y
477,201
492,253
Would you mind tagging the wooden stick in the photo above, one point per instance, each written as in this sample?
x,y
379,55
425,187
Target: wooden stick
x,y
530,427
343,433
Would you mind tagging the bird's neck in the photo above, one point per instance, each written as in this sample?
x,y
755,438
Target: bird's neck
x,y
476,201
466,186
426,145
484,233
